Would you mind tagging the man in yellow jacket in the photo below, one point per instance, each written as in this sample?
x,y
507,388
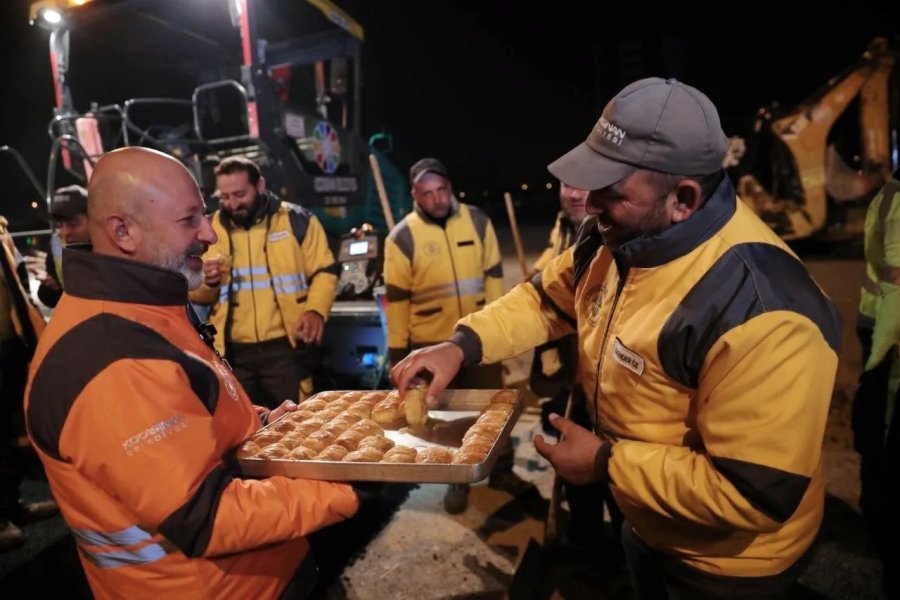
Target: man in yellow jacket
x,y
441,263
875,418
270,280
706,351
135,417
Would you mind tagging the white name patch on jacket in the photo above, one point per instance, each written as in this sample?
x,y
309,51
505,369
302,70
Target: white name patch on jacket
x,y
628,359
278,235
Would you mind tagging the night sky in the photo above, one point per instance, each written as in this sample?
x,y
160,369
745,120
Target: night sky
x,y
496,89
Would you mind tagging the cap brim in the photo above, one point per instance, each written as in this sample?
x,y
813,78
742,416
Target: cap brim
x,y
586,169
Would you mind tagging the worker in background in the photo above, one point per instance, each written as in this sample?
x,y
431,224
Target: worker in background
x,y
441,263
68,210
138,441
875,427
553,374
270,280
20,327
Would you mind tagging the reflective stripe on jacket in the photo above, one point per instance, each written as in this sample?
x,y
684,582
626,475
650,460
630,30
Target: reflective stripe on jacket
x,y
708,357
280,268
134,419
435,275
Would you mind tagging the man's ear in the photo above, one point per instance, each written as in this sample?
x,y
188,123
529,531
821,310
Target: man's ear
x,y
688,197
261,185
122,233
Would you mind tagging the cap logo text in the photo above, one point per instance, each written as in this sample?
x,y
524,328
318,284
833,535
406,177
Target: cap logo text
x,y
610,131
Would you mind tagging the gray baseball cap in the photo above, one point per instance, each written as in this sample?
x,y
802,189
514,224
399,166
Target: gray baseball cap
x,y
657,124
427,165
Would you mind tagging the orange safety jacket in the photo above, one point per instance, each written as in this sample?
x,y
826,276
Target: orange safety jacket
x,y
135,418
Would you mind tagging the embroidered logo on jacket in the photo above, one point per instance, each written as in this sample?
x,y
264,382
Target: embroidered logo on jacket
x,y
628,359
596,304
278,235
154,434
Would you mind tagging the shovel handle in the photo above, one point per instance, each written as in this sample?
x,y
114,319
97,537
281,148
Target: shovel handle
x,y
551,524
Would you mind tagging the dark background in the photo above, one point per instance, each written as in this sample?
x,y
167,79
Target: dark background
x,y
497,89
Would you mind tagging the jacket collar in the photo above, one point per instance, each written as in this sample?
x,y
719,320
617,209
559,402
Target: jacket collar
x,y
454,210
655,250
101,277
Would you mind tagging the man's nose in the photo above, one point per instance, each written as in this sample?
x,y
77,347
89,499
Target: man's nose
x,y
594,204
207,234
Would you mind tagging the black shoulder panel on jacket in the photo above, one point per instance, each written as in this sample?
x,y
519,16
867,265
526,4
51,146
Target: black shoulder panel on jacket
x,y
83,353
190,527
538,282
587,243
402,236
479,220
299,218
771,491
747,281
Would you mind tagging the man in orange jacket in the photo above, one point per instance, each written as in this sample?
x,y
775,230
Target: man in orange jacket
x,y
135,417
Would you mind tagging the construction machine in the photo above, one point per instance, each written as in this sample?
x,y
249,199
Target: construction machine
x,y
277,81
790,169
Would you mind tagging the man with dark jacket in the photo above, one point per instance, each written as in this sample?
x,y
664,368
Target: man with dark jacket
x,y
68,210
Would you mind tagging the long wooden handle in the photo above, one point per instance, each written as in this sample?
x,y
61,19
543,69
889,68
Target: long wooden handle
x,y
382,194
551,525
511,211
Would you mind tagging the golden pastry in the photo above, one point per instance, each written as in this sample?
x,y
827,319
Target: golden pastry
x,y
266,437
360,408
248,449
414,409
435,454
368,427
298,416
350,439
273,451
302,453
327,396
387,412
399,454
282,426
372,398
332,452
378,441
335,427
317,440
312,405
469,456
505,397
348,417
292,439
370,454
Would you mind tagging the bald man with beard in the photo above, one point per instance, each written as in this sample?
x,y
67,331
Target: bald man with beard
x,y
135,417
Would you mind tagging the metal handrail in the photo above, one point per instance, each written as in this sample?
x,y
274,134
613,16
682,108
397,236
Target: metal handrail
x,y
28,172
128,125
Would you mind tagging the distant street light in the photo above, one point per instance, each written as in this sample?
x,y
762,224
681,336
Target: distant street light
x,y
34,205
462,194
51,16
549,186
524,187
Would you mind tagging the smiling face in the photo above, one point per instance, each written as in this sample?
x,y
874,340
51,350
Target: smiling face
x,y
631,208
239,197
176,232
573,201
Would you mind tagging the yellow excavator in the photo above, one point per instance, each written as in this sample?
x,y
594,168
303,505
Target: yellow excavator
x,y
789,169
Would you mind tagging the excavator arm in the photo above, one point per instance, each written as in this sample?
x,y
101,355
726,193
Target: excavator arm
x,y
801,147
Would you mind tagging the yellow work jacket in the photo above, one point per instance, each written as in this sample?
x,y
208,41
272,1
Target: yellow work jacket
x,y
707,355
436,275
280,267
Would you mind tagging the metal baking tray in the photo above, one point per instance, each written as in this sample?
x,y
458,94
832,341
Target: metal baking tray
x,y
457,411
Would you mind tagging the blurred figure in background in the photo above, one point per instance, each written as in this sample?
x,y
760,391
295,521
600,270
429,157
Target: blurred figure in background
x,y
68,210
875,427
20,327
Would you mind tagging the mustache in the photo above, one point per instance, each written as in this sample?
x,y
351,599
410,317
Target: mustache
x,y
197,249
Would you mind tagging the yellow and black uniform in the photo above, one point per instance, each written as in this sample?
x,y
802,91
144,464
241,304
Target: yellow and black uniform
x,y
437,273
876,424
707,355
281,267
136,443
